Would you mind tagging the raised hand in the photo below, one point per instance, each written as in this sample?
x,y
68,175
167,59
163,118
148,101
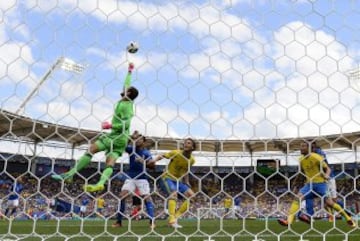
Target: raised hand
x,y
131,67
106,125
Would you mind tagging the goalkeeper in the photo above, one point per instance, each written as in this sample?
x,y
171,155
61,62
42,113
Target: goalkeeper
x,y
113,143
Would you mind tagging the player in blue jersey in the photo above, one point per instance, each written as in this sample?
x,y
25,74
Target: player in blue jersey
x,y
237,206
14,192
139,156
63,206
83,208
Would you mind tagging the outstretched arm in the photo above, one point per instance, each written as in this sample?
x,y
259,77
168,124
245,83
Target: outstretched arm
x,y
127,83
152,163
127,114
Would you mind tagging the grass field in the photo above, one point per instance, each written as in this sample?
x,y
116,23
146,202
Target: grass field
x,y
227,230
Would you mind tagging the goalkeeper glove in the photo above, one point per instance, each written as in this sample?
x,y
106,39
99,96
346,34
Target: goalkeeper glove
x,y
106,125
131,67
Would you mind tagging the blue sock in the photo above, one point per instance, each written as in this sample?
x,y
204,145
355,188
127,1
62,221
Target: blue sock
x,y
122,210
310,206
13,211
150,209
6,211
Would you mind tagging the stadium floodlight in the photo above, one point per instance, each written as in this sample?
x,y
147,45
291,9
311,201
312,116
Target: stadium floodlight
x,y
71,66
354,73
63,63
354,77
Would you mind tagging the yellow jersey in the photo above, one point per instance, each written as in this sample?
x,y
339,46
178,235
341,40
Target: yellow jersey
x,y
227,203
313,166
179,165
100,202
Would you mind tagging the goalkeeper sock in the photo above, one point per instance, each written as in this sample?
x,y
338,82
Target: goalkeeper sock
x,y
294,208
82,163
183,208
105,175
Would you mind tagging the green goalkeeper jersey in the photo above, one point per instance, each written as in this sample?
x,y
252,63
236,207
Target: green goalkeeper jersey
x,y
124,111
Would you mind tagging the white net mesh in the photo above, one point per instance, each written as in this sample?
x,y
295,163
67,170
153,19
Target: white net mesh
x,y
248,80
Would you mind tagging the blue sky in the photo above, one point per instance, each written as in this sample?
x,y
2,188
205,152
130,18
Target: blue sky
x,y
210,69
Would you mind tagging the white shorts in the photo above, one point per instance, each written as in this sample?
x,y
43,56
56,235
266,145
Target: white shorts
x,y
332,188
83,209
303,205
237,208
142,185
13,203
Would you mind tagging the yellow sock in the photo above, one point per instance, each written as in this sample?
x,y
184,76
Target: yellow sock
x,y
171,209
338,208
183,208
330,210
294,208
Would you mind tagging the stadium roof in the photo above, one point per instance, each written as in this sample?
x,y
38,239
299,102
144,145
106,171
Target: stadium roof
x,y
15,126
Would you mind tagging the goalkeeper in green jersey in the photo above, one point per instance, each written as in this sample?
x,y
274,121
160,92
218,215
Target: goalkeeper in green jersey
x,y
113,143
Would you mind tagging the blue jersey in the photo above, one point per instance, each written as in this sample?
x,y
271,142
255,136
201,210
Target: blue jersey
x,y
323,154
65,207
237,201
15,190
137,168
85,202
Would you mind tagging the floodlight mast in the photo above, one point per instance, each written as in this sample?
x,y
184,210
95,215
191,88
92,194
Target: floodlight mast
x,y
62,62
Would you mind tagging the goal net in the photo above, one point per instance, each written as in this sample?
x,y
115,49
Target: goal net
x,y
218,213
250,81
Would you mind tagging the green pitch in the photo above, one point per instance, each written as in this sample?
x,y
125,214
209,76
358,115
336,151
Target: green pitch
x,y
193,230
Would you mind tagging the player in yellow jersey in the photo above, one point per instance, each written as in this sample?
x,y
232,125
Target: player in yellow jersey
x,y
175,179
228,202
317,172
100,204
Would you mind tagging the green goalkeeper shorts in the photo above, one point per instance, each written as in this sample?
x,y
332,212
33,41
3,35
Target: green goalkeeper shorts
x,y
113,145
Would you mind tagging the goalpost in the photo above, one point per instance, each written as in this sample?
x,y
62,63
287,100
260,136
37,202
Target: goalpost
x,y
248,80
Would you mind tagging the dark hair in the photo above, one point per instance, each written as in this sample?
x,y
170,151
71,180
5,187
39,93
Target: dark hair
x,y
314,144
143,137
133,93
193,142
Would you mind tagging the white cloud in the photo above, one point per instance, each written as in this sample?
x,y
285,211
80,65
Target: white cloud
x,y
305,61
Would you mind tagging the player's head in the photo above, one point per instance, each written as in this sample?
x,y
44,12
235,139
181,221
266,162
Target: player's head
x,y
314,146
137,138
189,144
305,147
131,93
140,141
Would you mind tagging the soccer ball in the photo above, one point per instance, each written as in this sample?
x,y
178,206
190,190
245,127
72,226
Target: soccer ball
x,y
132,47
